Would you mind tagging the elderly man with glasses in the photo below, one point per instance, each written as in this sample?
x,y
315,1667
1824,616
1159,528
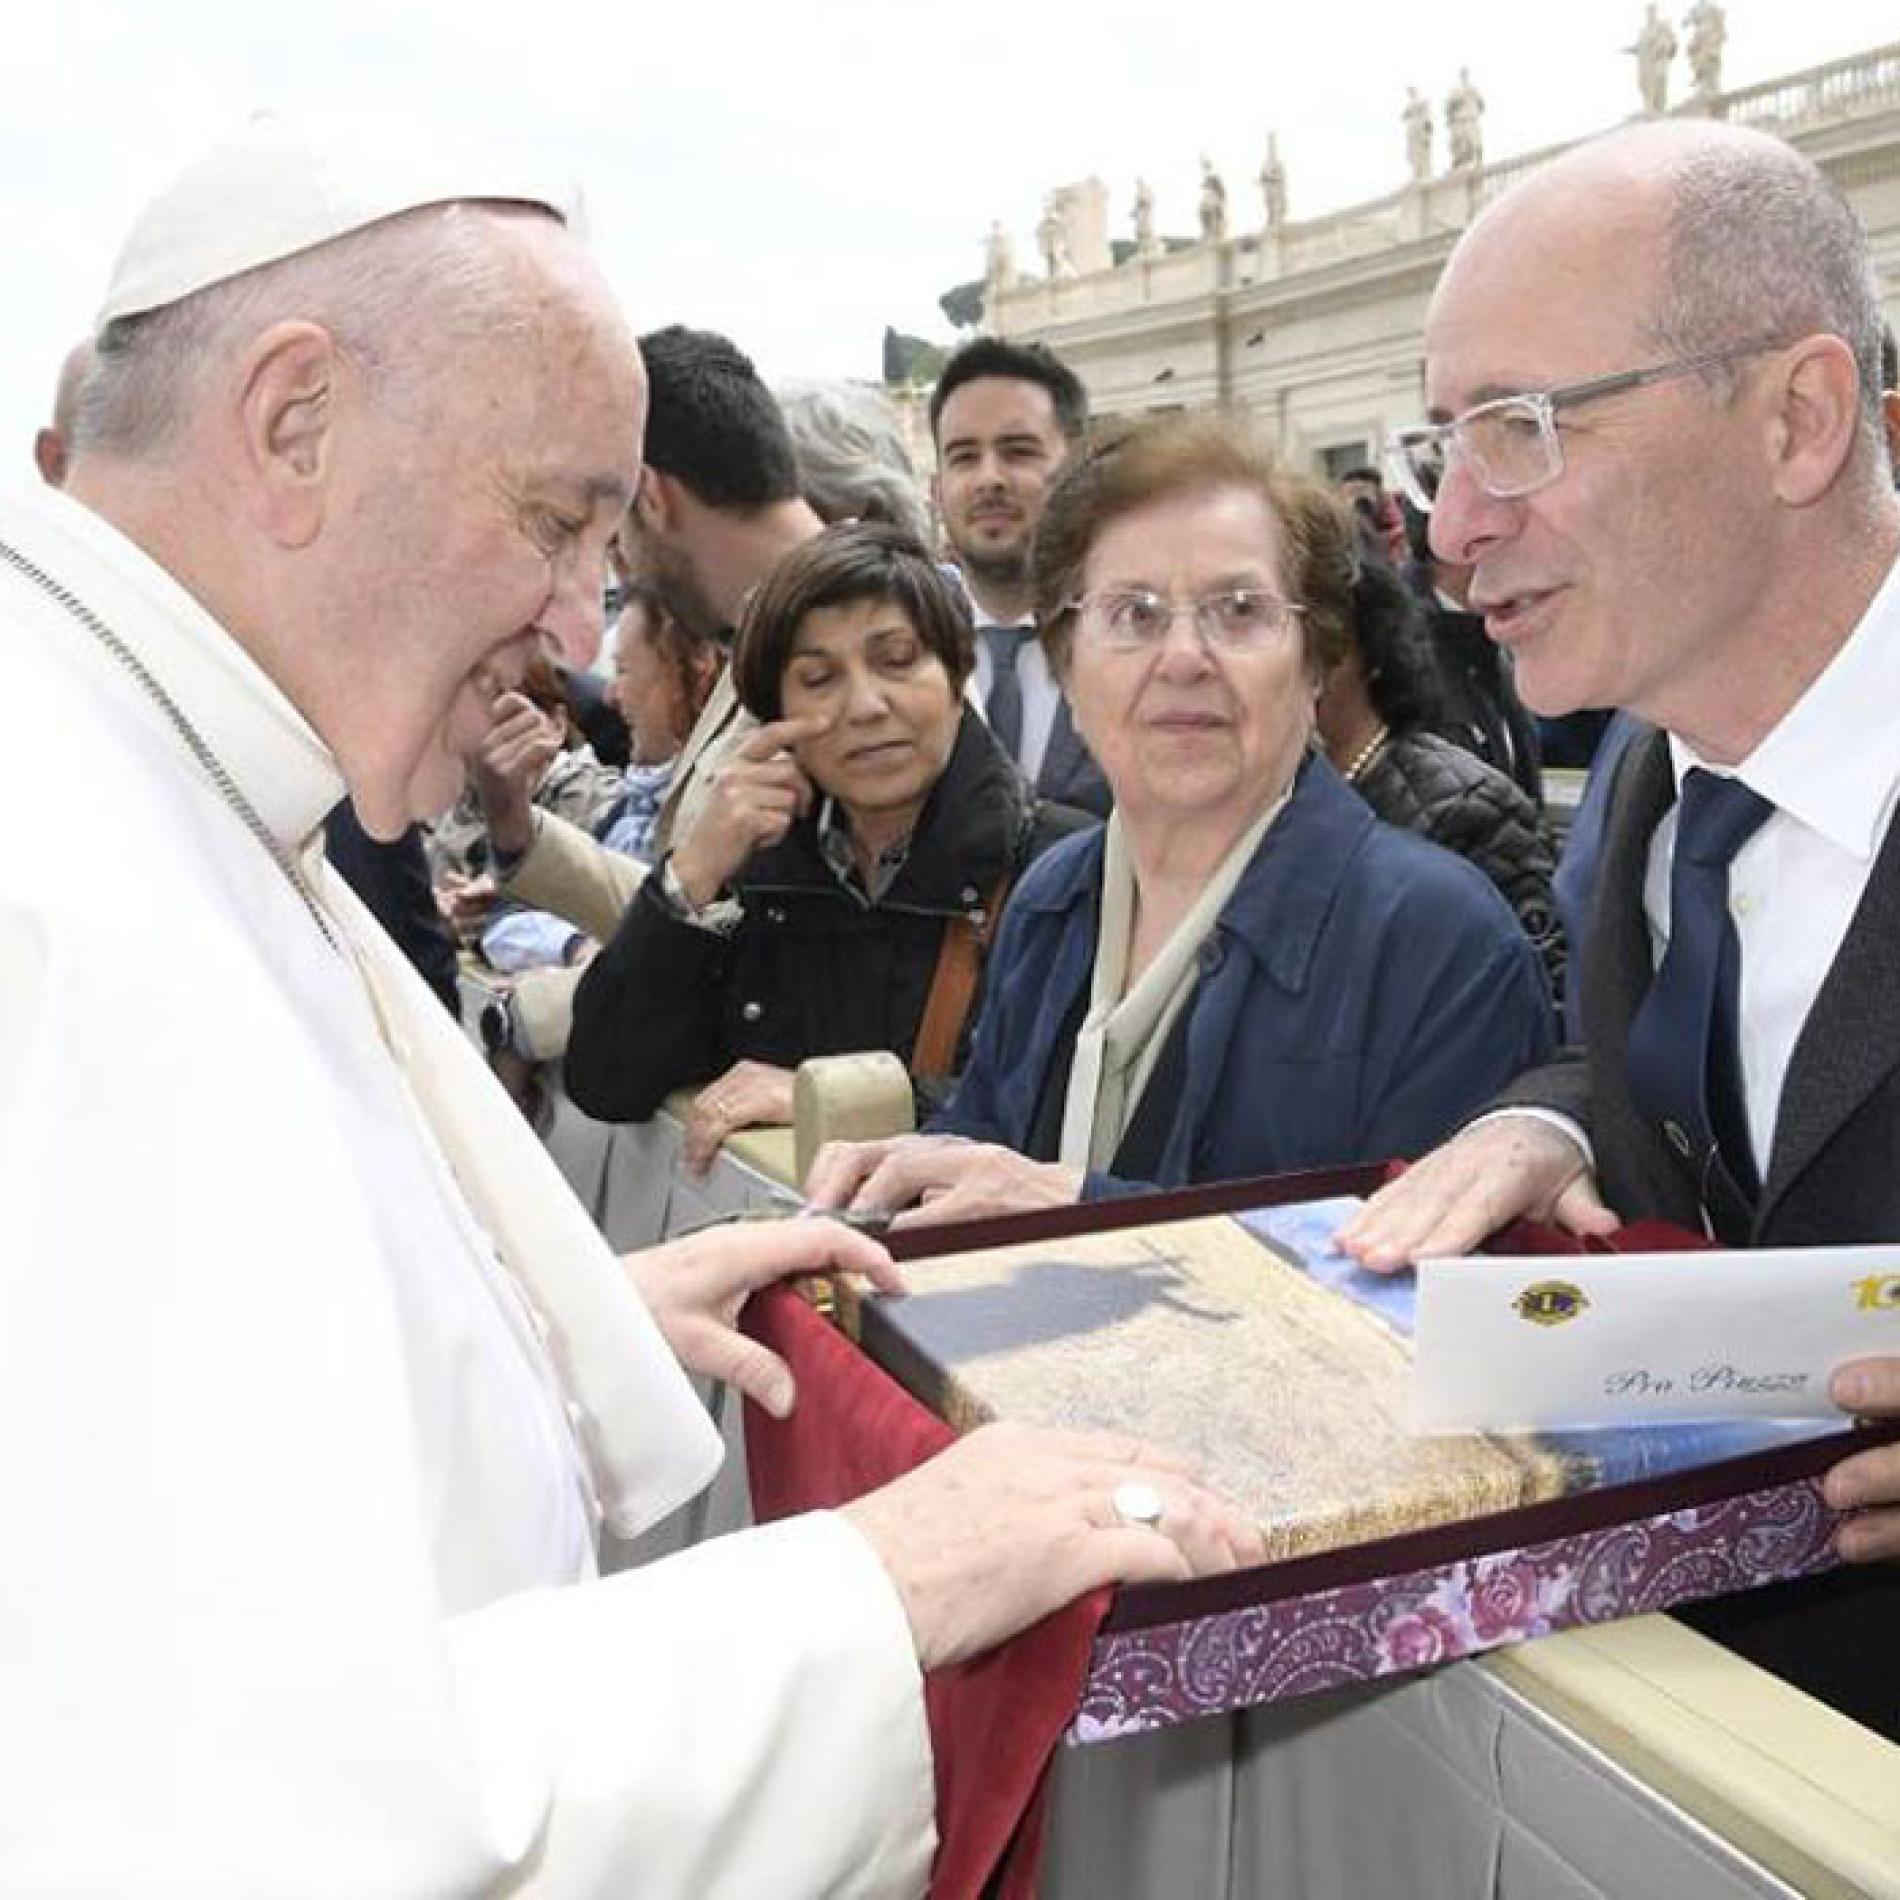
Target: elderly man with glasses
x,y
1658,443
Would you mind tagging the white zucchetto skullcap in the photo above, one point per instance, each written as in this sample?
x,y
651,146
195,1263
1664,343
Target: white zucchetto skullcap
x,y
277,189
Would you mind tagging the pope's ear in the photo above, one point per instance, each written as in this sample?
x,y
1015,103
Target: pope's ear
x,y
287,414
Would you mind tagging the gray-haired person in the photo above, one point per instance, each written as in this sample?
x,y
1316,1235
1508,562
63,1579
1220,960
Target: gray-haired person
x,y
853,464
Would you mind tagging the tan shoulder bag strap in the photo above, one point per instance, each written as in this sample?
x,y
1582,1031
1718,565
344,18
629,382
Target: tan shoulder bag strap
x,y
953,986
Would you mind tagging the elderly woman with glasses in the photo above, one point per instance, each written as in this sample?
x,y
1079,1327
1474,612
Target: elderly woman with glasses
x,y
1245,972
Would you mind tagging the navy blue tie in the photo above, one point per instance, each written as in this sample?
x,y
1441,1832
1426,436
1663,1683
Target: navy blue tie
x,y
1005,708
1684,1058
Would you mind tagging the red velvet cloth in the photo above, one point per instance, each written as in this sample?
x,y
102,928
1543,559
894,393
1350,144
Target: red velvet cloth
x,y
995,1722
1638,1236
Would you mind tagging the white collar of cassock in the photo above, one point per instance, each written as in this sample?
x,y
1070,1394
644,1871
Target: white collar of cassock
x,y
262,740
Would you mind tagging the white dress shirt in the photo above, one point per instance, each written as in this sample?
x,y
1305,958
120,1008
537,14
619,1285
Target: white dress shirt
x,y
1831,769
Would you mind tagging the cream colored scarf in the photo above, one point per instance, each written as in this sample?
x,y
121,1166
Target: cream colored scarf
x,y
1122,1036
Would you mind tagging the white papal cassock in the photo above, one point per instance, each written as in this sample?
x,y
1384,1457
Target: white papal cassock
x,y
298,1485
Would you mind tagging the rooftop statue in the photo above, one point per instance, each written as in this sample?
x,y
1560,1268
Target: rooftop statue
x,y
1273,184
1654,48
1417,120
1052,234
1146,243
1464,127
1213,204
999,262
1707,25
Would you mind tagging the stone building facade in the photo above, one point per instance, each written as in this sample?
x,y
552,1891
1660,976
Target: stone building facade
x,y
1313,327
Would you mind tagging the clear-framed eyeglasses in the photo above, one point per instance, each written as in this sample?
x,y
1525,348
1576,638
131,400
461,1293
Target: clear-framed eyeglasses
x,y
1512,445
1136,619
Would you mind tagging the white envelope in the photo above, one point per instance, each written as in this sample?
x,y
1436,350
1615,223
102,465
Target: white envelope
x,y
1646,1339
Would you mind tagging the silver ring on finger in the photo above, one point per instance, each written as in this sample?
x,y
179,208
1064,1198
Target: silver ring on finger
x,y
1138,1502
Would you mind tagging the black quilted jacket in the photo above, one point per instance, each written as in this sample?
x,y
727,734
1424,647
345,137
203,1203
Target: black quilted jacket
x,y
1425,784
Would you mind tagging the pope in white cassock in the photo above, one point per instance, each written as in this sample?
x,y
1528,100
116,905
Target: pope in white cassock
x,y
315,1383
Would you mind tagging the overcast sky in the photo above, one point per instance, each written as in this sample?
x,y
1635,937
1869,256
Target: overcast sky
x,y
801,175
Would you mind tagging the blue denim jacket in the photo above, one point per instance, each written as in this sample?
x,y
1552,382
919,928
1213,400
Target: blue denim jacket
x,y
1361,994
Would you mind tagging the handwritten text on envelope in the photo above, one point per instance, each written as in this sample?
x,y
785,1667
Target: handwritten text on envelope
x,y
1629,1339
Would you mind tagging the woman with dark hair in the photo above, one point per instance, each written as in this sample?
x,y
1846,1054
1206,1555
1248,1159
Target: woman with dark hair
x,y
662,677
1244,972
840,886
1375,717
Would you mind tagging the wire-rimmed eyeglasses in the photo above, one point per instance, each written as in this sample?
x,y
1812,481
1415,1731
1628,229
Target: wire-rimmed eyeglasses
x,y
1136,619
1512,445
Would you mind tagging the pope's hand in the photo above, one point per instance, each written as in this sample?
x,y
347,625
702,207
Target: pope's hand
x,y
1012,1522
1504,1168
938,1178
696,1286
1869,1482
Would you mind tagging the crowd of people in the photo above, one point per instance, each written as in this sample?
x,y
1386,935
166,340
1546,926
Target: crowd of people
x,y
791,919
1172,816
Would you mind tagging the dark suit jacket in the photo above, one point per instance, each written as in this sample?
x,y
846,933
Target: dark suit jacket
x,y
1834,1174
1833,1178
1069,774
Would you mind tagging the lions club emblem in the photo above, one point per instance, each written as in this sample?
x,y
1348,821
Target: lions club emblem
x,y
1550,1302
